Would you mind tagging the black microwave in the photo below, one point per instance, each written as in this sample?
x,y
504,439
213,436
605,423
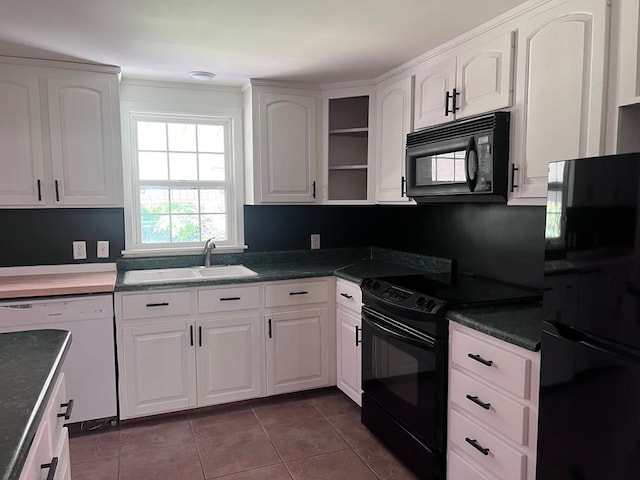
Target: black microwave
x,y
463,161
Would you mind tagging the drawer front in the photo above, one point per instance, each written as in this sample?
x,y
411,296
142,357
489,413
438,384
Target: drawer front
x,y
56,409
460,469
151,305
492,363
485,404
502,459
349,295
297,293
40,453
228,299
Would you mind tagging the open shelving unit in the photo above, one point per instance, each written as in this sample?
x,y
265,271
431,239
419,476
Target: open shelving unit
x,y
348,154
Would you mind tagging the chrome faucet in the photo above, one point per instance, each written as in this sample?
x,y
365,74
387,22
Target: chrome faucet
x,y
208,246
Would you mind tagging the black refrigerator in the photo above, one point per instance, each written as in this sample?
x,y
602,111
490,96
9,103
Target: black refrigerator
x,y
589,418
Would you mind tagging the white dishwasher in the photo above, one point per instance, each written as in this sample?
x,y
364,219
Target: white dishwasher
x,y
90,366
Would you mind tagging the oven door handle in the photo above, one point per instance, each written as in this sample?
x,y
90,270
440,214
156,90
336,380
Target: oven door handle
x,y
422,341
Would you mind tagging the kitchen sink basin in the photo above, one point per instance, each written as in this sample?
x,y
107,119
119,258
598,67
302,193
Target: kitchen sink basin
x,y
189,274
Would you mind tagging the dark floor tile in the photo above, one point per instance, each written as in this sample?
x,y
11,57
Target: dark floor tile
x,y
236,452
383,463
341,465
306,438
221,422
352,430
175,462
286,411
156,433
94,446
103,469
274,472
334,403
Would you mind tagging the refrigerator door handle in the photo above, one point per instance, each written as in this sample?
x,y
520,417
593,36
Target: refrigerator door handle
x,y
597,343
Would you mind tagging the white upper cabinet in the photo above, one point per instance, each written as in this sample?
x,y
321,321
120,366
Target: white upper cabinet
x,y
83,118
394,117
60,132
21,160
434,80
628,52
280,151
473,79
561,91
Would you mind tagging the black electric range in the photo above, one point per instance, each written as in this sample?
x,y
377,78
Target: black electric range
x,y
404,358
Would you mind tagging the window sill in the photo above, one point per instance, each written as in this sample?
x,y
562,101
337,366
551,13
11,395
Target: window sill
x,y
166,252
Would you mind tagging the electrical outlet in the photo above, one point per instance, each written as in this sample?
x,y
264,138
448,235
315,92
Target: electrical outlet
x,y
315,241
103,249
80,250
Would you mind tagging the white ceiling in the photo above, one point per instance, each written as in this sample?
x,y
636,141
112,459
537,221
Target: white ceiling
x,y
296,40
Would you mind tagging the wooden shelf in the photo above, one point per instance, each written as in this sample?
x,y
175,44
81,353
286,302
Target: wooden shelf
x,y
349,167
350,131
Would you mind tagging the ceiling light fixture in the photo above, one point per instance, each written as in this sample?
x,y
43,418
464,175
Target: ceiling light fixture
x,y
202,76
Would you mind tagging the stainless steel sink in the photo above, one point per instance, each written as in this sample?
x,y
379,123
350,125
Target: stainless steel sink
x,y
189,274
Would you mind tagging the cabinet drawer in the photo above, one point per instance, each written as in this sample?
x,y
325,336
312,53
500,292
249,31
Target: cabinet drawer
x,y
504,415
502,459
58,405
39,454
228,299
296,293
492,363
151,305
460,469
349,295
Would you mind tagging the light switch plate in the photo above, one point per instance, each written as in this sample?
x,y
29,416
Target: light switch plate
x,y
103,249
80,250
315,241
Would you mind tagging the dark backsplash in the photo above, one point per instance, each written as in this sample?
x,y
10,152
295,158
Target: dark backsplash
x,y
44,236
502,242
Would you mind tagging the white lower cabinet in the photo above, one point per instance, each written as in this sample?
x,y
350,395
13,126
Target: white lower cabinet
x,y
297,353
229,359
48,455
159,368
493,408
186,348
349,339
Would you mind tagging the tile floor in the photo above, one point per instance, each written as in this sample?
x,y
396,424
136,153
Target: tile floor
x,y
312,435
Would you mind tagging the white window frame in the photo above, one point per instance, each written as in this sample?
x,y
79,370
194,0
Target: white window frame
x,y
134,112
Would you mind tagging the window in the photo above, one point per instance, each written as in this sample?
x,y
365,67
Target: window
x,y
555,202
183,185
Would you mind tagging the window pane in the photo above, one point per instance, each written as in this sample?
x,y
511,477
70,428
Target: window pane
x,y
214,226
212,201
183,166
182,137
184,200
212,167
460,175
154,200
152,166
154,228
185,228
211,138
152,136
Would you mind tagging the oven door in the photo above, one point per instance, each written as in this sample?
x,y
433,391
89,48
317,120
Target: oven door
x,y
400,373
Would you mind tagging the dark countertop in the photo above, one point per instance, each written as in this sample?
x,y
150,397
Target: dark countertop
x,y
520,325
29,366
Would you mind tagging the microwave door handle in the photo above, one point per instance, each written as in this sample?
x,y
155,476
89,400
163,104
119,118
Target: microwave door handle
x,y
471,164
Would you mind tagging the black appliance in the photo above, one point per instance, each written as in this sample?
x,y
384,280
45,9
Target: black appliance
x,y
463,161
589,413
404,359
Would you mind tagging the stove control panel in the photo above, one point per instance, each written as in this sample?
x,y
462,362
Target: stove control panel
x,y
402,297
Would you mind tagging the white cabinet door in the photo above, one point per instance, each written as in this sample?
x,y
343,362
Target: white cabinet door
x,y
287,146
561,89
433,80
394,116
21,160
628,49
229,358
297,350
349,337
485,76
83,113
159,367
